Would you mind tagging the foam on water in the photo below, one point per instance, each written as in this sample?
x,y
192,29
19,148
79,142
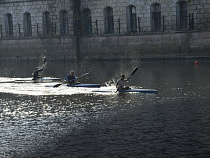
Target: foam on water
x,y
25,86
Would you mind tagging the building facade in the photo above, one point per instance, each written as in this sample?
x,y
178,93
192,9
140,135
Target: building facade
x,y
135,16
31,18
81,26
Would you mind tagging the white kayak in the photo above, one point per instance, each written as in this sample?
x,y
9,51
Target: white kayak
x,y
128,91
46,80
39,80
79,85
88,85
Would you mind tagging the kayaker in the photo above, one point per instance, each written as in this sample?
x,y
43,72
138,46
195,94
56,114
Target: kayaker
x,y
71,78
36,74
121,83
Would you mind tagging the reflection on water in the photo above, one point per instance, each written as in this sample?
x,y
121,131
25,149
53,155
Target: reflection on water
x,y
41,121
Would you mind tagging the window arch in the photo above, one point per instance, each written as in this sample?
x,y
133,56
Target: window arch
x,y
63,22
156,17
27,24
87,21
131,18
46,23
8,25
181,15
109,20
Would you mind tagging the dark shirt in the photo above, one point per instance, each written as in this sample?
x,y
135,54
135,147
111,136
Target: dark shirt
x,y
71,80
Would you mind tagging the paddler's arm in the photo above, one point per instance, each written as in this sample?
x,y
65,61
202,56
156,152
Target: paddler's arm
x,y
41,69
64,80
118,87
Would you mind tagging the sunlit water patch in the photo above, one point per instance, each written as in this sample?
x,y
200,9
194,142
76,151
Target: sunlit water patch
x,y
26,86
36,124
14,86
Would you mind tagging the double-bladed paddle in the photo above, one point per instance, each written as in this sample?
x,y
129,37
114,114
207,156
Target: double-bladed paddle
x,y
59,84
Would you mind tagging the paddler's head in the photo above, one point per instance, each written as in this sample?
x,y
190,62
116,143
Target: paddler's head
x,y
122,77
72,72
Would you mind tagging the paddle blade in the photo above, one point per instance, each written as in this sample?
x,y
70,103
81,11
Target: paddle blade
x,y
44,61
57,85
84,75
133,72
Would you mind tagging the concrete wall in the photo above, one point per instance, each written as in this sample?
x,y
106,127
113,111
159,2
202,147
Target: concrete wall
x,y
147,46
176,45
29,49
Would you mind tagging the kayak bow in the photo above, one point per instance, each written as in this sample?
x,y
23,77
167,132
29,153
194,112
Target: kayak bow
x,y
128,91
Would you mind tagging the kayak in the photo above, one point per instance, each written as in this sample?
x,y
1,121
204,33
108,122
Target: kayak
x,y
46,79
85,85
139,90
39,80
128,91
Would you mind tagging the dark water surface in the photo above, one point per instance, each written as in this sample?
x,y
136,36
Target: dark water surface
x,y
173,123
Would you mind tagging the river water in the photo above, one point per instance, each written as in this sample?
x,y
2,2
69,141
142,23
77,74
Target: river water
x,y
37,120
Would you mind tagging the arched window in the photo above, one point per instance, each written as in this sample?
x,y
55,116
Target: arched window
x,y
156,17
46,23
27,24
131,19
181,15
87,22
63,22
8,25
109,20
